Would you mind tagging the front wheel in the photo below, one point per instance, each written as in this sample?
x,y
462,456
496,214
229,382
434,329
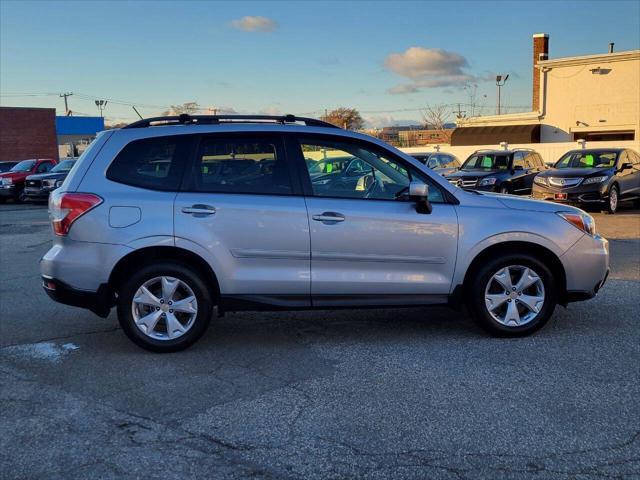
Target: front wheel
x,y
504,189
512,296
612,204
22,196
164,307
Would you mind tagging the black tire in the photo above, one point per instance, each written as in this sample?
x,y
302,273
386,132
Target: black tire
x,y
21,197
612,207
475,293
504,188
177,270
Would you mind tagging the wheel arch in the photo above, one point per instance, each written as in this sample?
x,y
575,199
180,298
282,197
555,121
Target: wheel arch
x,y
146,255
519,247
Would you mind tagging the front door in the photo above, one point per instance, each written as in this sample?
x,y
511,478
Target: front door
x,y
366,245
239,207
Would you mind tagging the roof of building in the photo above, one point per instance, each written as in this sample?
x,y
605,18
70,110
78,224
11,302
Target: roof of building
x,y
590,59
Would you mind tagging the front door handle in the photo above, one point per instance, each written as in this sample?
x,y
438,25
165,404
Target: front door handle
x,y
329,217
199,210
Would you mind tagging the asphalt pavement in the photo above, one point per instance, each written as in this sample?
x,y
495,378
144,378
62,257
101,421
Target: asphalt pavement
x,y
380,394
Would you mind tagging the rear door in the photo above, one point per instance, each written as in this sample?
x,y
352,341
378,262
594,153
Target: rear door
x,y
367,247
242,208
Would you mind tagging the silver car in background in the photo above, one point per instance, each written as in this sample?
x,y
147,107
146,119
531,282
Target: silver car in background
x,y
170,218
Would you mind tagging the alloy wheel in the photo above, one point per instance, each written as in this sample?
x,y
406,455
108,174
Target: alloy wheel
x,y
613,200
514,295
164,308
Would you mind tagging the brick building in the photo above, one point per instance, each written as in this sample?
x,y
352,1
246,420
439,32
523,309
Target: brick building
x,y
418,138
27,133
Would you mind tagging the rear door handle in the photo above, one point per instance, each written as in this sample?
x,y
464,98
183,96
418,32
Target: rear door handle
x,y
199,210
329,217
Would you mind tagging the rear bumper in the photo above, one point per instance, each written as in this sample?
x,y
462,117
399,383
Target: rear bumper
x,y
99,302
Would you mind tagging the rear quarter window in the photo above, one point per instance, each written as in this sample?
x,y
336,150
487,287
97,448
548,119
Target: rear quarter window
x,y
154,163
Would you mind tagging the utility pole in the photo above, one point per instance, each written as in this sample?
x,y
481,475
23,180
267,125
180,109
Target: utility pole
x,y
500,81
66,104
460,112
101,104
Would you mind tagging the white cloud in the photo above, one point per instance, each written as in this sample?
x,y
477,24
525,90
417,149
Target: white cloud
x,y
428,68
271,110
255,24
379,121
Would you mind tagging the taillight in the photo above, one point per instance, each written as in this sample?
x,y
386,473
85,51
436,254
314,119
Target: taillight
x,y
65,208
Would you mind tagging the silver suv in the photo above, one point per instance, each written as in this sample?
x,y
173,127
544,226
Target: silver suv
x,y
170,218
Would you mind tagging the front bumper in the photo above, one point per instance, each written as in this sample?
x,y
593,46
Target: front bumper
x,y
99,302
7,191
38,193
581,195
586,266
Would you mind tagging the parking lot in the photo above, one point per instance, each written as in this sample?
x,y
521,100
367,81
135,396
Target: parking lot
x,y
396,393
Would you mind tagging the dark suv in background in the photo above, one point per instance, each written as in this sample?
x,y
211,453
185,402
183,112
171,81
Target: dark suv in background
x,y
593,178
38,186
504,171
442,163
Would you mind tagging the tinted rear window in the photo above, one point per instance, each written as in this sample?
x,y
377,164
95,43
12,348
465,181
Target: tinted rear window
x,y
154,163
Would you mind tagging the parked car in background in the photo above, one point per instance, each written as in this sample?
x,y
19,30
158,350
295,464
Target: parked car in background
x,y
12,182
503,171
38,186
165,245
593,178
6,166
440,162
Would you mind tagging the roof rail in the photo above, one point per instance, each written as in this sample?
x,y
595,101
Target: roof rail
x,y
186,119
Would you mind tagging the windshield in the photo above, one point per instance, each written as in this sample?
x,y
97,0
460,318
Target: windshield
x,y
24,166
63,166
5,166
486,161
588,160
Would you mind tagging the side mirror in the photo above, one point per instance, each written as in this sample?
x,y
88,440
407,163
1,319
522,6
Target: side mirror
x,y
626,166
419,193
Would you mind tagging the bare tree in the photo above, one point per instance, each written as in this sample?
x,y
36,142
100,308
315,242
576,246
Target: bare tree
x,y
347,118
436,118
188,107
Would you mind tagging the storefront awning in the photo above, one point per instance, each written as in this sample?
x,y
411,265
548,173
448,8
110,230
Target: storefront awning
x,y
496,134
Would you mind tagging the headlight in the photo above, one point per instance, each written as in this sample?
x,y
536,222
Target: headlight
x,y
487,181
59,183
599,179
7,181
540,180
581,221
49,183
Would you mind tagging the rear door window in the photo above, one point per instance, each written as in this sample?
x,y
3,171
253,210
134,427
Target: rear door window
x,y
238,164
154,163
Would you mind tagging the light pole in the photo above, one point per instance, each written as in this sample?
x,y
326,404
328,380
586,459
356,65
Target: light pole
x,y
101,104
500,81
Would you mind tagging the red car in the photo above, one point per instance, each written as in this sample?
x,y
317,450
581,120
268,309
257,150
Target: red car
x,y
12,182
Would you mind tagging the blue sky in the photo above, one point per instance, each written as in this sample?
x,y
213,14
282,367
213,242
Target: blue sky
x,y
300,57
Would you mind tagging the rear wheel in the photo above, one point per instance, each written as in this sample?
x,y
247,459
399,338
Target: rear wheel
x,y
164,307
512,296
612,204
